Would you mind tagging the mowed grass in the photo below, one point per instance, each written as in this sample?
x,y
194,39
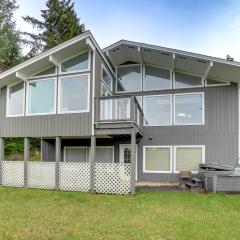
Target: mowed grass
x,y
39,214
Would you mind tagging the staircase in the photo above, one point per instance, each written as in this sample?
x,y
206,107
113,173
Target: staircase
x,y
194,184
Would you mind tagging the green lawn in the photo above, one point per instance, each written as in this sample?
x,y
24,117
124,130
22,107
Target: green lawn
x,y
39,214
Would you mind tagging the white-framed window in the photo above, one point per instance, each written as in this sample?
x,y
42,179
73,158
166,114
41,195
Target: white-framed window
x,y
15,100
129,78
76,154
48,71
106,78
189,108
156,78
105,91
157,159
74,93
188,158
76,63
105,154
41,97
215,83
157,110
183,80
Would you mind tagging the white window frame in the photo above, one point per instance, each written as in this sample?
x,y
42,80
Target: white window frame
x,y
225,83
141,77
8,102
171,109
103,85
174,108
108,147
60,98
157,146
88,69
75,147
32,77
105,69
55,97
190,74
156,66
187,146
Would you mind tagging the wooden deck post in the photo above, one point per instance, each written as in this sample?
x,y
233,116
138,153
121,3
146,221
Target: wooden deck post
x,y
133,159
92,161
26,159
1,157
57,160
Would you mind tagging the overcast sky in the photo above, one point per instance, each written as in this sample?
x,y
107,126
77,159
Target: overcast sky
x,y
210,27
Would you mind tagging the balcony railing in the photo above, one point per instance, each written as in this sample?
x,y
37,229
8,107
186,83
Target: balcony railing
x,y
115,109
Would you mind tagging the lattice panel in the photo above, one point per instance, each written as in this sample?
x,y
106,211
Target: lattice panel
x,y
41,175
13,173
74,176
113,178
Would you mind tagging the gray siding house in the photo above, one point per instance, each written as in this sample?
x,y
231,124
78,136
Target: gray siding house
x,y
157,110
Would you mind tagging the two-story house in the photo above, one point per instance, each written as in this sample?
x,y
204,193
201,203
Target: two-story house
x,y
157,110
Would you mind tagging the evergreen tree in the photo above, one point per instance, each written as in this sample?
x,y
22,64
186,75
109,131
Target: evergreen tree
x,y
10,42
59,23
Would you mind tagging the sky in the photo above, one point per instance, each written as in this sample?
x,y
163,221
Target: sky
x,y
210,27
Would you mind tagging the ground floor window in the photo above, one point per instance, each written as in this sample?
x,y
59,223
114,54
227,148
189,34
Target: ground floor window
x,y
168,159
157,159
104,154
187,158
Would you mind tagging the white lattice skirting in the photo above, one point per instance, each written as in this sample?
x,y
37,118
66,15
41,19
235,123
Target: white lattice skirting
x,y
41,175
113,178
13,173
74,176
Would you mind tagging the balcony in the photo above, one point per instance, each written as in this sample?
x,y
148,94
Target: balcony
x,y
118,114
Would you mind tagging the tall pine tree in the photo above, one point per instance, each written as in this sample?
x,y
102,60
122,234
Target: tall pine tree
x,y
10,42
59,23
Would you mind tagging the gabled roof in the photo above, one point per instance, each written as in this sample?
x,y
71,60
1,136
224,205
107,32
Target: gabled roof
x,y
178,60
52,56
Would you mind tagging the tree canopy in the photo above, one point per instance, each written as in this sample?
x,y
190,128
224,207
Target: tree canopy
x,y
59,23
10,41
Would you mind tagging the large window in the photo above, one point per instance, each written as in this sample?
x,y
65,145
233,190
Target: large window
x,y
157,159
188,158
156,78
74,94
189,109
106,78
157,110
15,100
76,154
41,97
187,81
78,63
129,78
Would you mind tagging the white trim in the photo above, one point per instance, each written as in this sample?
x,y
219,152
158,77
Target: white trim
x,y
157,89
88,69
190,74
203,108
60,97
141,77
92,86
110,147
171,109
121,158
103,85
225,83
105,69
157,146
7,100
74,147
55,97
187,146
